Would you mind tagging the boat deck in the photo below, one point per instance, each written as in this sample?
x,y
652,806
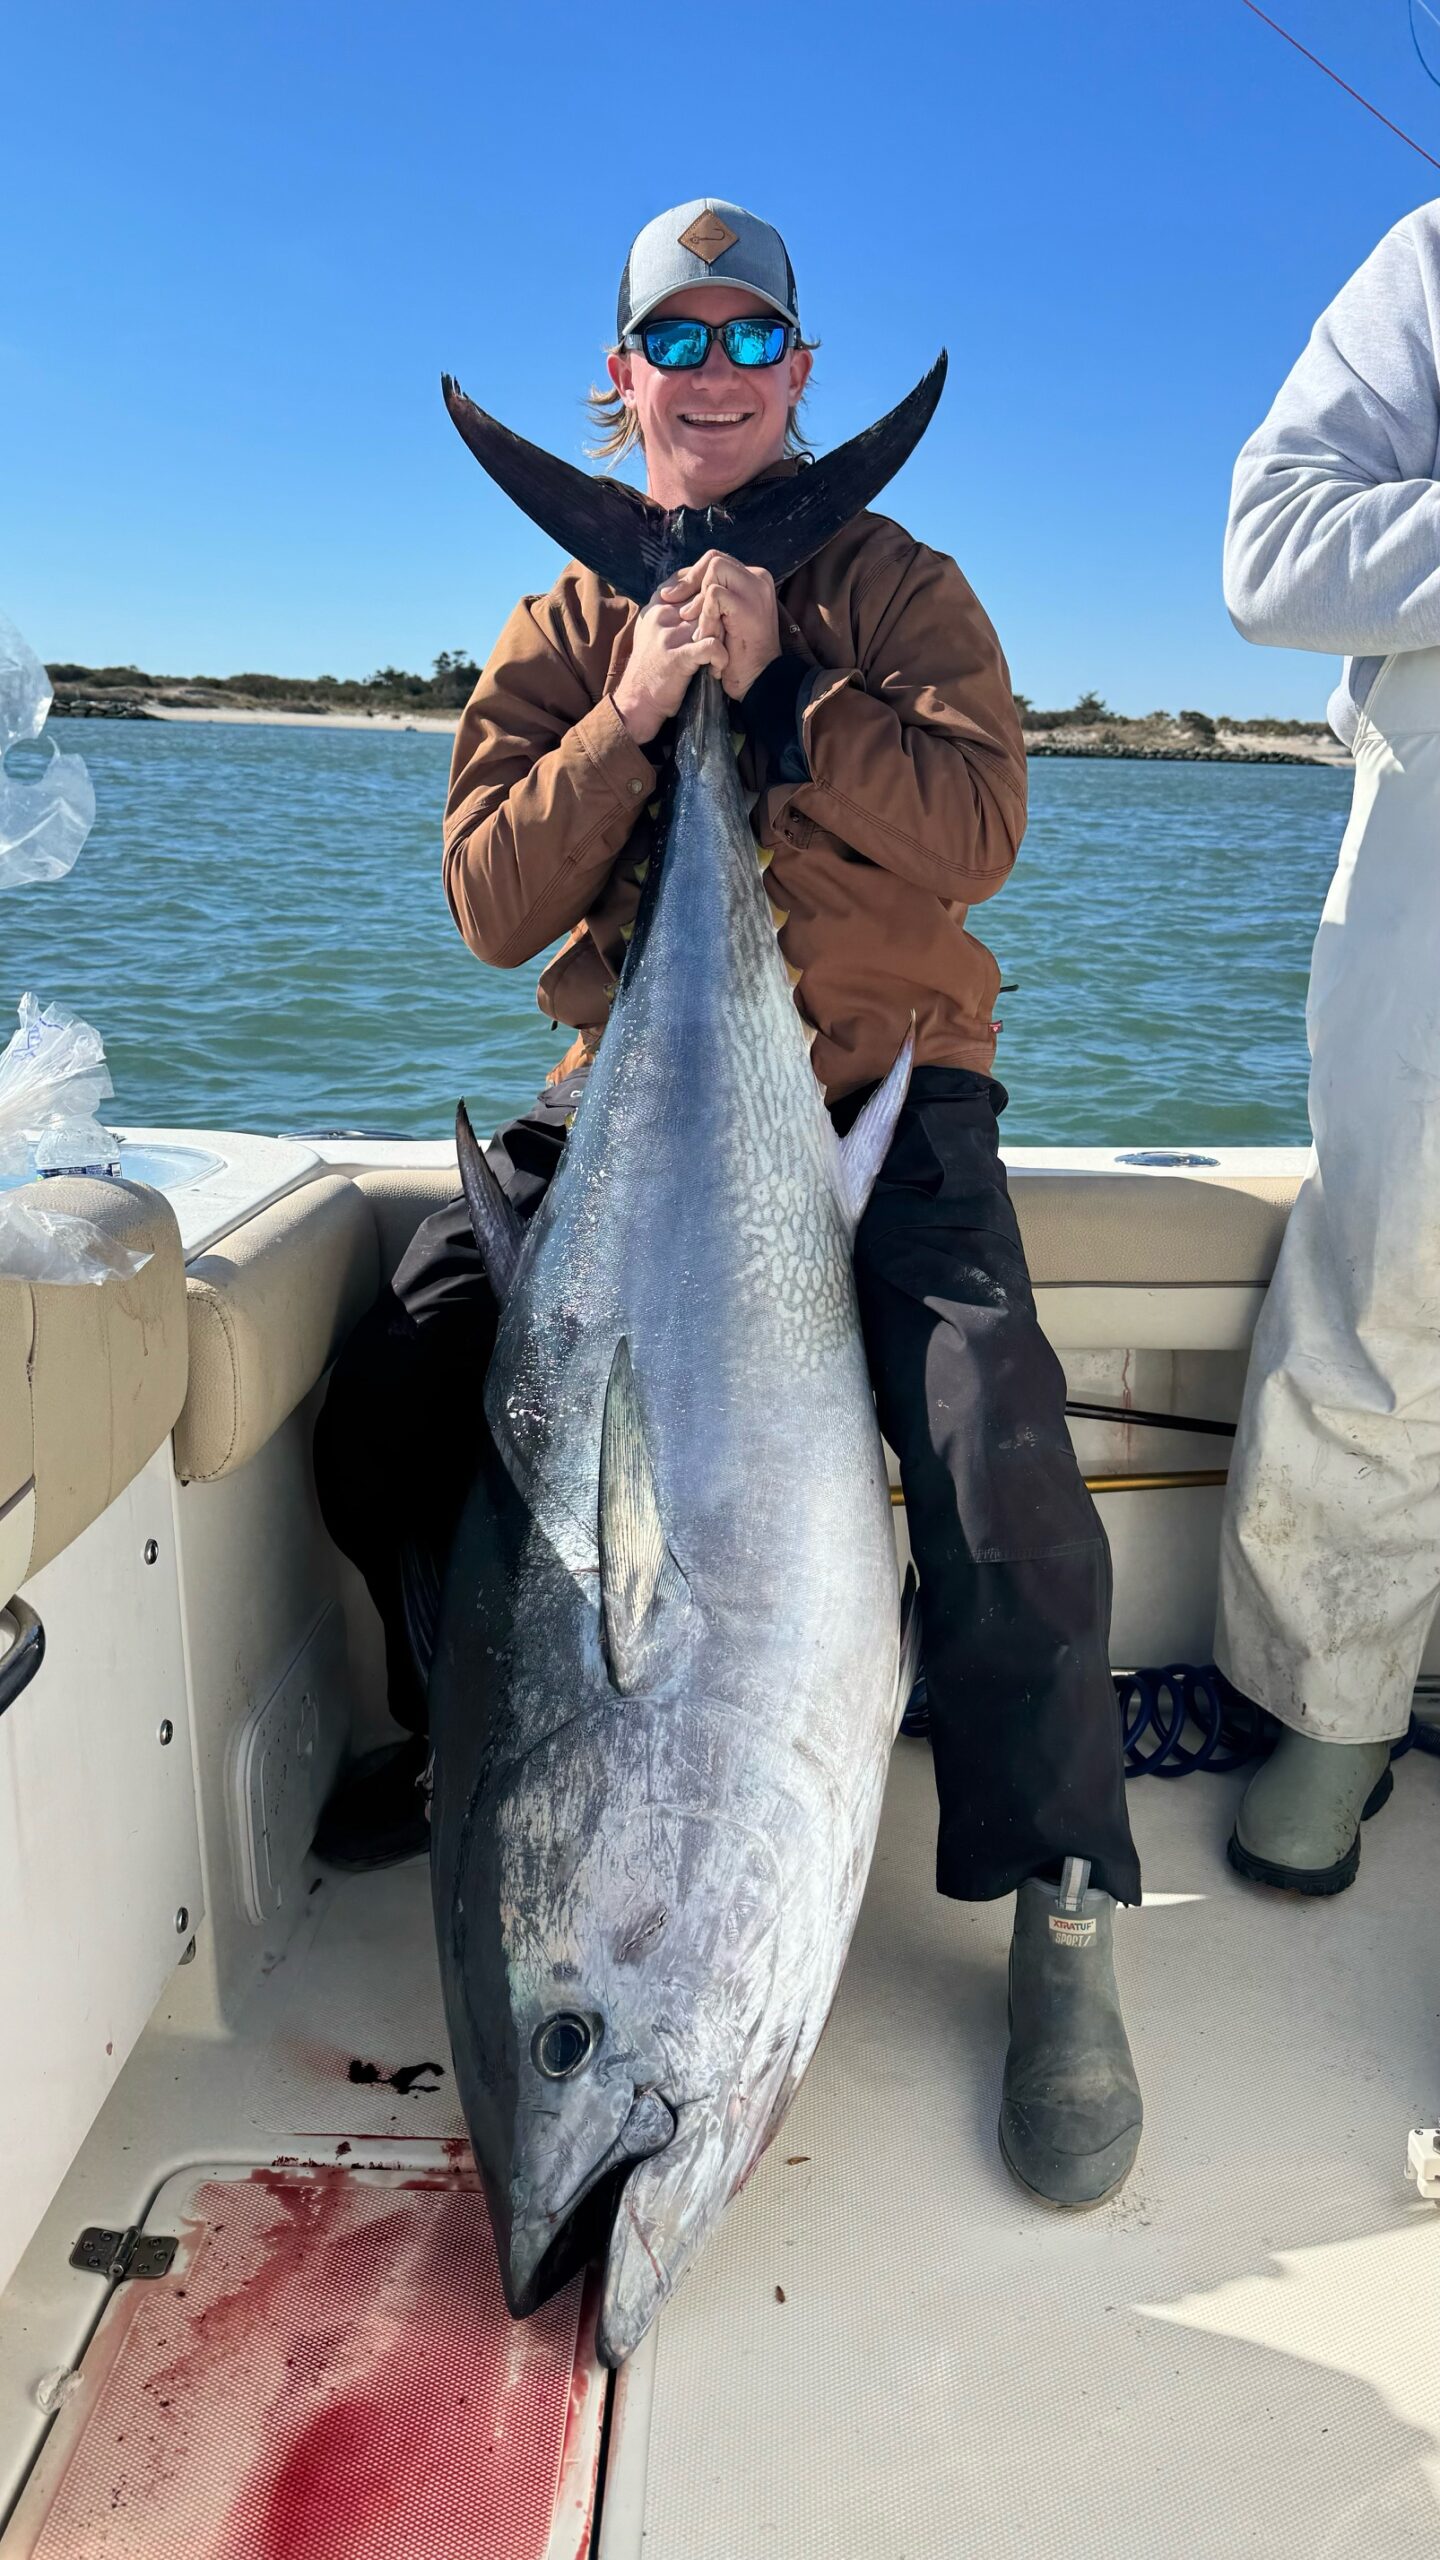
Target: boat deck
x,y
889,2352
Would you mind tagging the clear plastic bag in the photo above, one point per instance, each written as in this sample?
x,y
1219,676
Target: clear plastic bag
x,y
45,813
53,1078
53,1245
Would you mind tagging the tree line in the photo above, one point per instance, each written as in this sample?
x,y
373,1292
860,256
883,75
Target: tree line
x,y
453,678
1093,712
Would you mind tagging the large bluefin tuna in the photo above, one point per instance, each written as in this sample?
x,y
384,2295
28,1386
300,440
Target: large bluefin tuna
x,y
669,1660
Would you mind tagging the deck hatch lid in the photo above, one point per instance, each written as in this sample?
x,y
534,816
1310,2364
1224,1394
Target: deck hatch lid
x,y
325,2371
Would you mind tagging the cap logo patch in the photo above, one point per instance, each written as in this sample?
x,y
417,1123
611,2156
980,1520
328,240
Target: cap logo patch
x,y
708,237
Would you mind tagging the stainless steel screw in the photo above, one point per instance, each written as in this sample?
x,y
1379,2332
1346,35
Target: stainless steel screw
x,y
182,1921
152,1551
167,1732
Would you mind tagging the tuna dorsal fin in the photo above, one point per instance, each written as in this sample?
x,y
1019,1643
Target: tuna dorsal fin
x,y
641,1586
863,1149
633,544
498,1230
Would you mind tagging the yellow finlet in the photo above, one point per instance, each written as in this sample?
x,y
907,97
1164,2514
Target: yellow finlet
x,y
792,973
764,855
779,916
626,931
641,870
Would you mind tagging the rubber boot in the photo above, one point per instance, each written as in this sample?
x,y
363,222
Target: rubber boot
x,y
1070,2116
376,1815
1298,1826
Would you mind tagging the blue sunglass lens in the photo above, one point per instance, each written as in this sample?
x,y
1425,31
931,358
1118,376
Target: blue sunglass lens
x,y
752,342
678,345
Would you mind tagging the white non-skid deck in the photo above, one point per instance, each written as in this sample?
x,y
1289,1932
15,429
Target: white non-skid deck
x,y
1241,2355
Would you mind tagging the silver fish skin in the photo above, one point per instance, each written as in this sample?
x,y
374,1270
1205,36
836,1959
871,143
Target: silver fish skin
x,y
668,1863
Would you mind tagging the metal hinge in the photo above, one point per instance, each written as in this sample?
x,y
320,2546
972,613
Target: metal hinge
x,y
124,2257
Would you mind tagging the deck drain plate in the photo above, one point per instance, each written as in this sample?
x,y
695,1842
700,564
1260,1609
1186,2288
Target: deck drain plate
x,y
328,2372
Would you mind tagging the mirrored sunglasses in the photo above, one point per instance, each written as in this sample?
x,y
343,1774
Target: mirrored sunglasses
x,y
680,346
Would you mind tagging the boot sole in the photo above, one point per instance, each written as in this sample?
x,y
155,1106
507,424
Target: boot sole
x,y
1059,2204
1311,1880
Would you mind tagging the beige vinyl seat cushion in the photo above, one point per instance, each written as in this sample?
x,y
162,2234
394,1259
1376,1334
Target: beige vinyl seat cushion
x,y
272,1303
402,1197
1151,1230
1105,1230
92,1375
269,1307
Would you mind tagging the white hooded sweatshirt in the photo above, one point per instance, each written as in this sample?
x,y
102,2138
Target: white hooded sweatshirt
x,y
1334,534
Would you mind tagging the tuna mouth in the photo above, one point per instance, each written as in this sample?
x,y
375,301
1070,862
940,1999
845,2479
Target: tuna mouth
x,y
539,2256
542,2249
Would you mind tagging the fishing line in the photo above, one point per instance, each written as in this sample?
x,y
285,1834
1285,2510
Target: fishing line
x,y
1360,101
1426,11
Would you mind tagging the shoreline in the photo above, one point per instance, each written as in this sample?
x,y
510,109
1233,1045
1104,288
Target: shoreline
x,y
437,725
1235,746
1246,750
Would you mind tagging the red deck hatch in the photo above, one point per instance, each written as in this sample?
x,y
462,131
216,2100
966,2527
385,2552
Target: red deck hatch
x,y
328,2372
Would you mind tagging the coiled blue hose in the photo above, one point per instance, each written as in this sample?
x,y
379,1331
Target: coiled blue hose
x,y
1181,1719
1158,1709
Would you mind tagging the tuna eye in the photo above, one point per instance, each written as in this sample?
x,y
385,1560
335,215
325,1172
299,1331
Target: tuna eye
x,y
563,2043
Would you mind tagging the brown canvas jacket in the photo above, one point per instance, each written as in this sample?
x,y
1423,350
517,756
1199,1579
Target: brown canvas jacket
x,y
914,812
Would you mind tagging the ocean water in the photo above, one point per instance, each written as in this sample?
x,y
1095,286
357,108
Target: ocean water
x,y
258,929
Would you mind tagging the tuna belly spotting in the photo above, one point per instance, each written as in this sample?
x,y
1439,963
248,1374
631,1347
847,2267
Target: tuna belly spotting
x,y
666,1681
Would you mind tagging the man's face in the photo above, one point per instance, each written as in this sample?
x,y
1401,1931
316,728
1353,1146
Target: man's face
x,y
709,431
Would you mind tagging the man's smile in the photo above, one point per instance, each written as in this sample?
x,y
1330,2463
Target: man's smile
x,y
715,417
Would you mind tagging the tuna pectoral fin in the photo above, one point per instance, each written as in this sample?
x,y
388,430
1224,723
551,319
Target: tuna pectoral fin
x,y
643,1595
633,544
864,1148
498,1230
909,1670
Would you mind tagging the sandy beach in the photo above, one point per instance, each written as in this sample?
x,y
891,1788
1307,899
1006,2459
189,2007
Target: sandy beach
x,y
310,719
1237,746
1161,737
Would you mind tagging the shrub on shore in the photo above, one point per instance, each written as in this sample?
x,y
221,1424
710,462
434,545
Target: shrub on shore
x,y
447,688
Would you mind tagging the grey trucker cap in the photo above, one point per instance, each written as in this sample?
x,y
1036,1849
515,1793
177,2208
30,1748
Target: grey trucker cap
x,y
705,242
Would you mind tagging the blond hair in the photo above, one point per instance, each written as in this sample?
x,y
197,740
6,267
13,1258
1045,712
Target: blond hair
x,y
616,429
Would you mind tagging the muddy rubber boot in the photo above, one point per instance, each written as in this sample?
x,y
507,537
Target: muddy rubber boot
x,y
1298,1826
1070,2116
376,1815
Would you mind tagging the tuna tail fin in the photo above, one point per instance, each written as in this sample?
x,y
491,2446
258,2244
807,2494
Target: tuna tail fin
x,y
641,1586
864,1147
634,545
497,1228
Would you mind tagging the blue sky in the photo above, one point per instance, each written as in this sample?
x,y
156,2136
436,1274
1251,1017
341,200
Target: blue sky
x,y
256,234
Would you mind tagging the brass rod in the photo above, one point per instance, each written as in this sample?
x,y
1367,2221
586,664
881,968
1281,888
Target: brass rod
x,y
1155,1484
1125,1484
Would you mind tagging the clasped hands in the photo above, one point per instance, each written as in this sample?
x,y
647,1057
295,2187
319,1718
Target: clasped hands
x,y
719,615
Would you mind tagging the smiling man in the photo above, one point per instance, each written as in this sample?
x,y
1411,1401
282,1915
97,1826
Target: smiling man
x,y
879,743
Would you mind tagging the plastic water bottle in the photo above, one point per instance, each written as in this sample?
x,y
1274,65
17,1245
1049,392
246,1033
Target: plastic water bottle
x,y
77,1146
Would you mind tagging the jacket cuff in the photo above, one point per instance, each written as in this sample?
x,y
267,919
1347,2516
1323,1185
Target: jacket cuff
x,y
770,715
827,686
620,763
